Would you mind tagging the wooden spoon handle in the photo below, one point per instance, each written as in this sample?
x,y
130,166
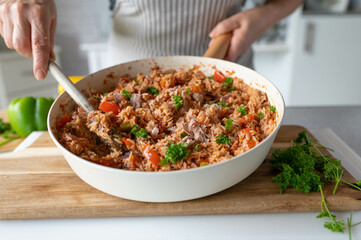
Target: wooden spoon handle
x,y
69,87
219,47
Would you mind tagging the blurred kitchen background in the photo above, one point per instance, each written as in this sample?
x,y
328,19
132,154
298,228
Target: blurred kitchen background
x,y
313,56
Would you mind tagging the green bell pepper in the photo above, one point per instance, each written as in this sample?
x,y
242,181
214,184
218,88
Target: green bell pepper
x,y
29,114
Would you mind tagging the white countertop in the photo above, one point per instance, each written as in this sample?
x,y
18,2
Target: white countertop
x,y
241,226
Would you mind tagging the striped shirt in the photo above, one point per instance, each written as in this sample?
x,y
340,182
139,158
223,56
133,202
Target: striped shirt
x,y
151,28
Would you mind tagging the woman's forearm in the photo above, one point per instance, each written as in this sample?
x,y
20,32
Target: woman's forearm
x,y
275,10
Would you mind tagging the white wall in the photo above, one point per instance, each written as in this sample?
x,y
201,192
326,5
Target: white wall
x,y
80,21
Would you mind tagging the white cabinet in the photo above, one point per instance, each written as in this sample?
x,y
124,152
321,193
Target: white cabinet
x,y
17,78
327,68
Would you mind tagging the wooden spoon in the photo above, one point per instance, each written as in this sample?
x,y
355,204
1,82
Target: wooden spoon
x,y
219,47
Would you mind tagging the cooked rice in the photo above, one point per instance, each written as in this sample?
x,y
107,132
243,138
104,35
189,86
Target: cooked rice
x,y
197,122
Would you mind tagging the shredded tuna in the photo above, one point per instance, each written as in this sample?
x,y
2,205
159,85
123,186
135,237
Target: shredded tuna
x,y
193,128
136,100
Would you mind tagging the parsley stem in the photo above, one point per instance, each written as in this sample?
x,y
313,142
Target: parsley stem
x,y
349,224
336,185
351,185
324,204
337,179
353,225
320,153
8,140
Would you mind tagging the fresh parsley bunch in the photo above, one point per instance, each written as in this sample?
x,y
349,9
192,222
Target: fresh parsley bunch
x,y
306,169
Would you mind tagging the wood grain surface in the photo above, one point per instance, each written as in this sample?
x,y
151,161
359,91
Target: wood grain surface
x,y
38,183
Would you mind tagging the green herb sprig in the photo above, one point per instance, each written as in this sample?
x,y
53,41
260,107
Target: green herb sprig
x,y
242,110
272,109
223,139
4,126
139,132
175,153
153,91
9,133
178,101
228,82
126,94
229,123
183,134
333,225
222,104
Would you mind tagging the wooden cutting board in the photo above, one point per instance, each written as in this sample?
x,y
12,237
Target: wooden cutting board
x,y
38,183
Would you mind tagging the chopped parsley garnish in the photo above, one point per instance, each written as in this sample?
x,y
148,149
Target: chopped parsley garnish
x,y
222,104
139,132
229,123
183,134
260,115
228,82
210,77
272,109
135,129
242,110
231,89
178,101
223,139
153,91
175,153
196,147
126,94
120,136
113,131
187,91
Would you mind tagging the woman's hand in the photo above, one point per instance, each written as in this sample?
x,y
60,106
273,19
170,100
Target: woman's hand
x,y
28,26
249,25
246,28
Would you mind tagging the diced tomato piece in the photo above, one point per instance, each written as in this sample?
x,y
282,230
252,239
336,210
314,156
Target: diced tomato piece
x,y
218,76
151,155
251,143
163,82
127,142
109,107
105,162
250,115
64,120
196,89
246,130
